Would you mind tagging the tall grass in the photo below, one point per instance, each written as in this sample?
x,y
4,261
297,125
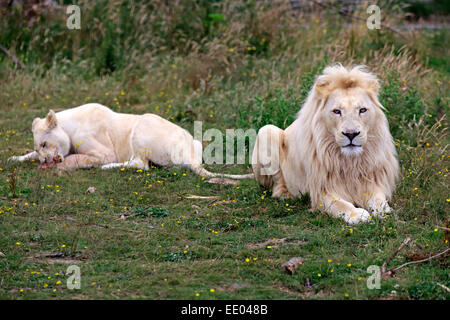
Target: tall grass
x,y
195,53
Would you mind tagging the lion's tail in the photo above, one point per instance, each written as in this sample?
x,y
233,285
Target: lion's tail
x,y
207,174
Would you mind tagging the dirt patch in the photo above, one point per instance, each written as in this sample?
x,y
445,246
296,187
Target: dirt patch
x,y
307,294
80,297
59,260
288,290
232,287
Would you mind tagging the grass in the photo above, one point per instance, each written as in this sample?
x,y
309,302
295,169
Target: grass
x,y
237,67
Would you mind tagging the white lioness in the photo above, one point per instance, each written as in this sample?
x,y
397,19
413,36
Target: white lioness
x,y
93,135
339,149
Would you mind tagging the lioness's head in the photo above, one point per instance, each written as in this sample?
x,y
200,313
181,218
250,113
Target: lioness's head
x,y
349,107
51,142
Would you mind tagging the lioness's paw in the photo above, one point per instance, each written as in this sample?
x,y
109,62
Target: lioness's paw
x,y
358,215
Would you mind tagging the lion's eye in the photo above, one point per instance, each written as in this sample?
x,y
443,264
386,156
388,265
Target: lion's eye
x,y
362,110
337,111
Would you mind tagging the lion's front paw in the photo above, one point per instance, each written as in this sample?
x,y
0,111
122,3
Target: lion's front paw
x,y
358,215
283,195
380,209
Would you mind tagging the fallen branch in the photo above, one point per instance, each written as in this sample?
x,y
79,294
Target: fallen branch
x,y
443,287
384,265
202,197
443,228
419,261
223,181
12,57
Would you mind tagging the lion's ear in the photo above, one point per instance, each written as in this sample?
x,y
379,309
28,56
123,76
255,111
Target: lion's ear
x,y
374,97
51,119
373,86
323,86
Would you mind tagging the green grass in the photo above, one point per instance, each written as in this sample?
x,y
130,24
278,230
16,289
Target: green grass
x,y
172,247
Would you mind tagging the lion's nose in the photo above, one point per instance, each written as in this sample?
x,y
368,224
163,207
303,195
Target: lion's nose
x,y
351,134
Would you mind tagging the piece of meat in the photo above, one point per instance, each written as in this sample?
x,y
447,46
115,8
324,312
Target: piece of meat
x,y
47,165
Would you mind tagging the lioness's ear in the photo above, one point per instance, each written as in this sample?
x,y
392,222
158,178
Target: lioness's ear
x,y
35,122
51,119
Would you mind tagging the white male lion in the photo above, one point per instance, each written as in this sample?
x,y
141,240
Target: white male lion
x,y
339,149
93,135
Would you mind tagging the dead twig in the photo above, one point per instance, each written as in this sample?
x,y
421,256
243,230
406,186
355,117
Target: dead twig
x,y
202,197
384,265
443,287
223,181
419,261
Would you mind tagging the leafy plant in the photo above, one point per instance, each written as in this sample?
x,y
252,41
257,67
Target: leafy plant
x,y
145,211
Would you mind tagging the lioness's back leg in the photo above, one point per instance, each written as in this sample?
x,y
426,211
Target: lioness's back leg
x,y
266,160
158,141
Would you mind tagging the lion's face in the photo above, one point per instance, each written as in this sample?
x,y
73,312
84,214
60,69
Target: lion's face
x,y
349,116
50,141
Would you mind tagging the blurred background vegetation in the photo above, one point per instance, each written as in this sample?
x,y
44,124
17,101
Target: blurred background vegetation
x,y
208,42
126,35
228,63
